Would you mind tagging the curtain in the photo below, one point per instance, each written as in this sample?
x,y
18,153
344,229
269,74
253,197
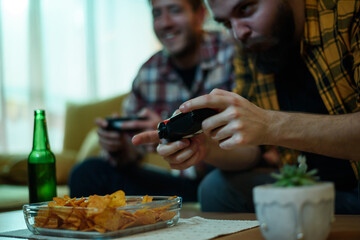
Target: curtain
x,y
55,51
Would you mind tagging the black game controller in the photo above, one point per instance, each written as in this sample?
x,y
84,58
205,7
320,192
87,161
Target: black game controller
x,y
184,125
115,124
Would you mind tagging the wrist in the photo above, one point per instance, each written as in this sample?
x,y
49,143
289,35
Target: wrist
x,y
275,122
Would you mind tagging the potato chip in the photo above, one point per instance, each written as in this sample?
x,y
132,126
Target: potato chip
x,y
40,221
74,220
62,212
167,215
97,204
112,219
144,217
146,199
68,226
99,229
52,223
117,199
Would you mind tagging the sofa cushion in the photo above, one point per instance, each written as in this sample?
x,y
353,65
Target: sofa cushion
x,y
79,119
13,168
10,164
14,196
90,147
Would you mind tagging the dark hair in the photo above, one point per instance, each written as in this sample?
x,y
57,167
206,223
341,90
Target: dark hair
x,y
195,4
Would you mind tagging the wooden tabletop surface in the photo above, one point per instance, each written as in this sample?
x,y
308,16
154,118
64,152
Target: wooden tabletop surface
x,y
345,227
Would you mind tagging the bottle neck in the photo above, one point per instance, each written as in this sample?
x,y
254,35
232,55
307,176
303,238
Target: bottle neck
x,y
41,140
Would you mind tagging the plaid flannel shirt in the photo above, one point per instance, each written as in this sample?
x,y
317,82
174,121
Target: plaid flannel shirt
x,y
159,87
331,50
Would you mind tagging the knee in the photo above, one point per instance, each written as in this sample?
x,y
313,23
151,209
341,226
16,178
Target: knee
x,y
83,167
87,169
225,192
211,190
208,185
89,177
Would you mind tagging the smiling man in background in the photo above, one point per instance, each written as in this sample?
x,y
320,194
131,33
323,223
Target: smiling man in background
x,y
192,63
298,88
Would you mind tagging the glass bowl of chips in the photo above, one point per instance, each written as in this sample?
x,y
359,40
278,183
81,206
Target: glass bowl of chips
x,y
99,217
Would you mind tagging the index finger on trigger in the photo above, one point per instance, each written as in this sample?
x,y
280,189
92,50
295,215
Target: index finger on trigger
x,y
217,102
146,138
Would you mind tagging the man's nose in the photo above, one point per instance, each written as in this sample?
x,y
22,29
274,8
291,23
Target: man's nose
x,y
166,20
240,29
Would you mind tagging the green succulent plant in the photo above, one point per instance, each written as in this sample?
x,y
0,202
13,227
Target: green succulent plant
x,y
293,175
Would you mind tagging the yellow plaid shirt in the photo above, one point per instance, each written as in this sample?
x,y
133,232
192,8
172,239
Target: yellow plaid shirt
x,y
331,50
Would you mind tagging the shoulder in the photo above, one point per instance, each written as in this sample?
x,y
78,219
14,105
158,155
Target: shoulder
x,y
154,63
343,10
151,69
155,60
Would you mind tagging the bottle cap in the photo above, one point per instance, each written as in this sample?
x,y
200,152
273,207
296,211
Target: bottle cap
x,y
39,111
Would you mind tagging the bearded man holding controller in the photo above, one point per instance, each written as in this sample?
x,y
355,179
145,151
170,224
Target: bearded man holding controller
x,y
298,92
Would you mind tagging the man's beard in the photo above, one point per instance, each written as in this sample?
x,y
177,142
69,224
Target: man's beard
x,y
192,41
271,53
189,49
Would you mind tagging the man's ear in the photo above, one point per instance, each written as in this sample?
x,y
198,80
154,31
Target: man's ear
x,y
201,13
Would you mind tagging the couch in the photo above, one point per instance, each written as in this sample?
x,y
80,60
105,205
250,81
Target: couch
x,y
80,142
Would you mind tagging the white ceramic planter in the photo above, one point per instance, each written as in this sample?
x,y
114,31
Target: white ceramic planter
x,y
295,212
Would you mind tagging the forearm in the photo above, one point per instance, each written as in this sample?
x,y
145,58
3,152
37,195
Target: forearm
x,y
241,158
331,135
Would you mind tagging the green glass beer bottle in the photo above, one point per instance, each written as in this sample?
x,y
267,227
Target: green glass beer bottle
x,y
41,163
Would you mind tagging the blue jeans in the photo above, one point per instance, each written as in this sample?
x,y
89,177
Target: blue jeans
x,y
95,176
222,191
